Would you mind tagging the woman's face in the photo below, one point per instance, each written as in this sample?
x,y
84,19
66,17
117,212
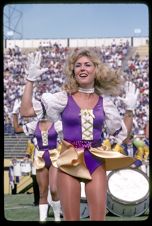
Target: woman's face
x,y
84,71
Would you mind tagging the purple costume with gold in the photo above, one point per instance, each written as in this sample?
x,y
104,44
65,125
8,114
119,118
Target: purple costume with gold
x,y
72,130
82,149
46,140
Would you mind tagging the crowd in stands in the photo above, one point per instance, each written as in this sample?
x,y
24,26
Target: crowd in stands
x,y
16,69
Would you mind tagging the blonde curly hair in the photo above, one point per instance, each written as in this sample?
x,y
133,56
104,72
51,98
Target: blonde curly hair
x,y
107,80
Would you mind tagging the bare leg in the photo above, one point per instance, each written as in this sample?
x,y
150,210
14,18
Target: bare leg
x,y
96,191
42,177
69,192
53,171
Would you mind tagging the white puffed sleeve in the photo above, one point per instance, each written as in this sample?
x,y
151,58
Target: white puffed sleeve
x,y
54,104
29,128
114,123
59,129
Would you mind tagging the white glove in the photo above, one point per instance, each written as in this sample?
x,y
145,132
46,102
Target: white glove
x,y
34,70
16,106
131,96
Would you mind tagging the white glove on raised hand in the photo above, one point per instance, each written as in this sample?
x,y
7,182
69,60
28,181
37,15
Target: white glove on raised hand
x,y
16,106
131,96
34,70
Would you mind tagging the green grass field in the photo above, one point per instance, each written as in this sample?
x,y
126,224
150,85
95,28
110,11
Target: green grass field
x,y
19,207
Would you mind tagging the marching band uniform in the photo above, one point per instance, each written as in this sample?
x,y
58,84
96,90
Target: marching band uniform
x,y
136,148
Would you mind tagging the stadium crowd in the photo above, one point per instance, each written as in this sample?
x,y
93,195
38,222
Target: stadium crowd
x,y
15,73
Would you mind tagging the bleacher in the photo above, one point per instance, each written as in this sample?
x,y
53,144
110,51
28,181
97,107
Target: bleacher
x,y
15,146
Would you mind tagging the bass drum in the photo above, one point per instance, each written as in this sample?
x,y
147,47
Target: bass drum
x,y
128,192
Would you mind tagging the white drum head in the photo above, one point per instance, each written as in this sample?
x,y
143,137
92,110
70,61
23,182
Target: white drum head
x,y
128,185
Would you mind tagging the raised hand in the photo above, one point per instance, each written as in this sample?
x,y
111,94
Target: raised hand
x,y
34,70
131,96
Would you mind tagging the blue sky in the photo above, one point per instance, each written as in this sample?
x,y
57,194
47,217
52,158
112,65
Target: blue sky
x,y
77,20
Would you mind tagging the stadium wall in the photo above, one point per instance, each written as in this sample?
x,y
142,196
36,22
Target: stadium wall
x,y
79,42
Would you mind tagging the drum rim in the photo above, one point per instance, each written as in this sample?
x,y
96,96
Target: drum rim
x,y
134,169
123,201
138,201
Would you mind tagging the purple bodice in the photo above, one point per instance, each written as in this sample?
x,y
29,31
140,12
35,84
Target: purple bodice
x,y
71,120
52,138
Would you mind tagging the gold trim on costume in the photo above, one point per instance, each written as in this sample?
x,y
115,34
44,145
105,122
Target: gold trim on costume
x,y
39,162
71,160
87,117
44,135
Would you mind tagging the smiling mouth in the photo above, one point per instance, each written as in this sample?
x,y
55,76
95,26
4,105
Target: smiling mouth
x,y
83,75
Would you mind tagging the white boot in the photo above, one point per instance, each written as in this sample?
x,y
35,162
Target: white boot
x,y
56,210
43,208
